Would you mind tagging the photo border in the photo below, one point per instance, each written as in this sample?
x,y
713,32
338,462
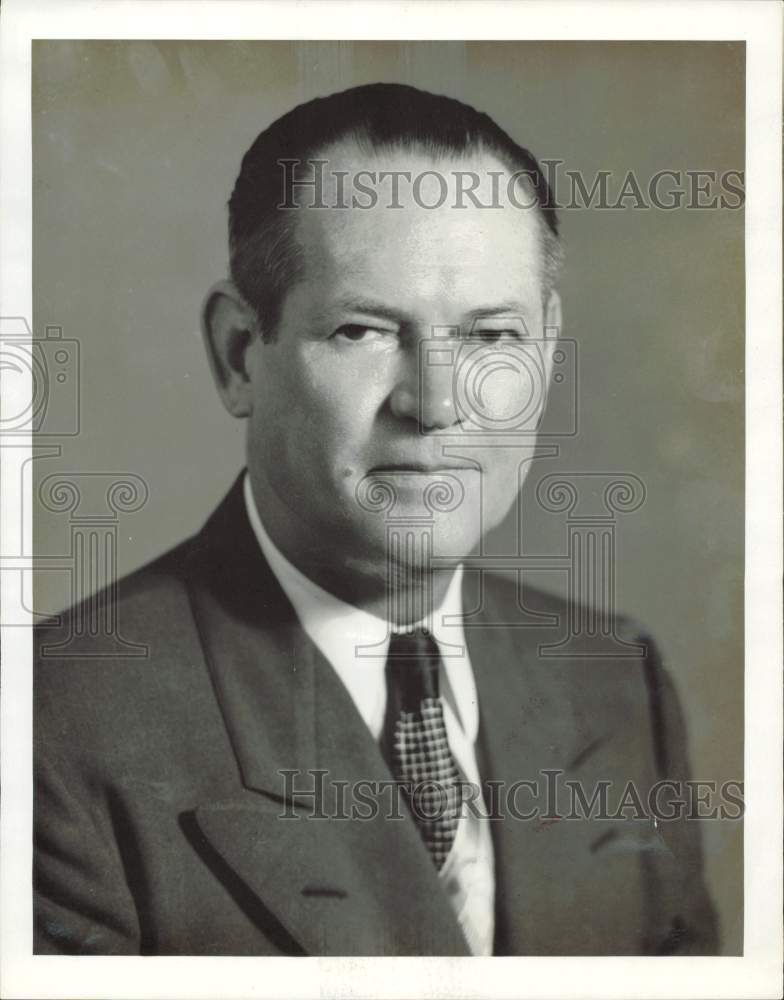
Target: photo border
x,y
758,972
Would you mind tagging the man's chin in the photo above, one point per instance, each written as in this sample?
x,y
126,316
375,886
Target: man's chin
x,y
417,543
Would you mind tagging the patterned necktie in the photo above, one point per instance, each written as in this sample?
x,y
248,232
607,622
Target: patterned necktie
x,y
415,744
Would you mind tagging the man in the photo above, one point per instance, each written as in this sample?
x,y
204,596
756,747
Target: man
x,y
335,741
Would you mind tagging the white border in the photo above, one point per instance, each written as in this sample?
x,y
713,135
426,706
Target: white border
x,y
758,973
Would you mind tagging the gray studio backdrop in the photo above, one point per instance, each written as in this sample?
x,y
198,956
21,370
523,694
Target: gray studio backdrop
x,y
136,147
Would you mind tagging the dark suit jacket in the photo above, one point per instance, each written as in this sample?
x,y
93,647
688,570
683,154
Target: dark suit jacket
x,y
158,796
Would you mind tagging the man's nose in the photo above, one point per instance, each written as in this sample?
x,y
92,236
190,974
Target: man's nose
x,y
425,390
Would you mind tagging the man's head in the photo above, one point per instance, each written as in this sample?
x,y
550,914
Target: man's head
x,y
374,332
265,254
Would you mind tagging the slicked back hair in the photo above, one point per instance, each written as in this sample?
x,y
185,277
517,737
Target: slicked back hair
x,y
265,257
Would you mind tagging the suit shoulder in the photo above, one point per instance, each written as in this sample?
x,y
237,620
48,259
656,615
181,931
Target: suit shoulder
x,y
145,585
564,644
506,597
122,668
121,632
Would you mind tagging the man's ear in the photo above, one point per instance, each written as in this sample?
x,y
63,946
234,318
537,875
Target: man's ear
x,y
229,328
551,331
553,315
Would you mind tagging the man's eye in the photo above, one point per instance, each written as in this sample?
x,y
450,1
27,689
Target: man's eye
x,y
355,332
492,336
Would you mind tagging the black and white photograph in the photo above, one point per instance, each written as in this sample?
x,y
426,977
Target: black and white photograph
x,y
380,471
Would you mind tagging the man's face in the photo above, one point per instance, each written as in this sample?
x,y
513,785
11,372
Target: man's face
x,y
359,399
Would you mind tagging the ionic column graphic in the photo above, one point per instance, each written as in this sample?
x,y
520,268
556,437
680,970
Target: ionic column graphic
x,y
514,559
94,502
409,541
591,502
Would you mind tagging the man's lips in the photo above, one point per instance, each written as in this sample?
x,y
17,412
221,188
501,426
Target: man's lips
x,y
423,468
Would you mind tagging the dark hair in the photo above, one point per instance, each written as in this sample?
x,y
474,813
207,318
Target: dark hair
x,y
264,256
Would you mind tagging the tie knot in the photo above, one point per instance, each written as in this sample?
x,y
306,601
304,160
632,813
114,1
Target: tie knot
x,y
412,668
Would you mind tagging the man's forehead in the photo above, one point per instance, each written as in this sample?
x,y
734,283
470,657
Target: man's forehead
x,y
354,155
403,205
358,174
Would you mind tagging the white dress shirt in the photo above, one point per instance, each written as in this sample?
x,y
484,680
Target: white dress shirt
x,y
338,630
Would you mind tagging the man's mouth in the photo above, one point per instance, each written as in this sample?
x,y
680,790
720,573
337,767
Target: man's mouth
x,y
422,468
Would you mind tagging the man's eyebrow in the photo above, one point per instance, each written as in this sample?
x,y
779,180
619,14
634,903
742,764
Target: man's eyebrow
x,y
369,306
510,309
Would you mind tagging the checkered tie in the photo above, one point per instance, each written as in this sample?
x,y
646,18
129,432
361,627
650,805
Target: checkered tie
x,y
415,743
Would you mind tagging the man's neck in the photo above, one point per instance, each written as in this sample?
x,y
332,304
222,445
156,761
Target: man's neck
x,y
399,592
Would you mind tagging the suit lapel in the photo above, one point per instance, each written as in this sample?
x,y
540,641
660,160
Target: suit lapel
x,y
539,715
339,886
